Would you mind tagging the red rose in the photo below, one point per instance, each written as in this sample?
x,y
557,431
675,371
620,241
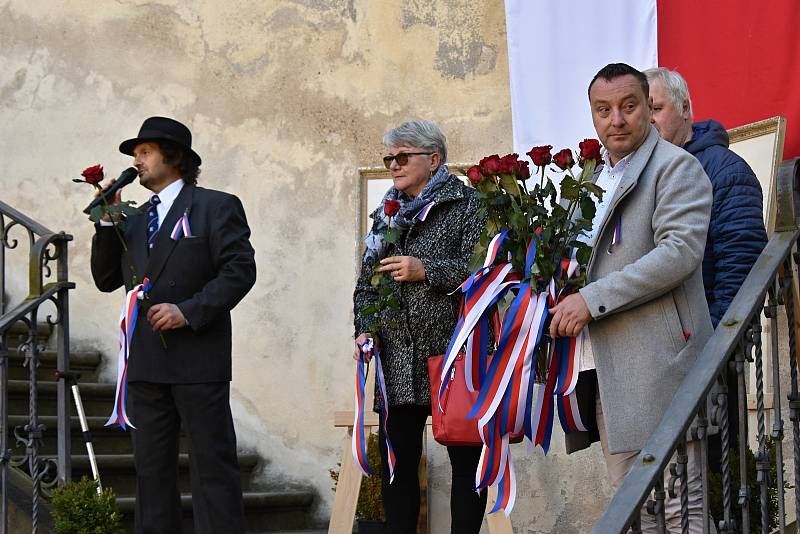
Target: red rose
x,y
490,165
563,159
540,155
509,163
523,171
391,207
590,149
474,175
93,175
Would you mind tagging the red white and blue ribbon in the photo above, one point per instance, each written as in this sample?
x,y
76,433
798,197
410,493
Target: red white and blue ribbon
x,y
127,324
367,351
182,226
510,400
569,414
616,237
423,213
480,292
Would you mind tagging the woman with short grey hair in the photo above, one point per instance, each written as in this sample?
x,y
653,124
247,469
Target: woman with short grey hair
x,y
440,226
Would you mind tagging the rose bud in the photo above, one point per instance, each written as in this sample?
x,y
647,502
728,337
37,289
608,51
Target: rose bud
x,y
563,159
490,165
508,163
590,149
474,175
391,207
523,171
94,174
540,155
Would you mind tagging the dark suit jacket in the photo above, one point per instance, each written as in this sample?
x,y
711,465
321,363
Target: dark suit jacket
x,y
205,276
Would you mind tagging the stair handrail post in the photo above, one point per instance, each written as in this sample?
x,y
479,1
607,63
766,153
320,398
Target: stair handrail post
x,y
45,249
62,364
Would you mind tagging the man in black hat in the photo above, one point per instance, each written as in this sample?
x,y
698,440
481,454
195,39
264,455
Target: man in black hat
x,y
193,246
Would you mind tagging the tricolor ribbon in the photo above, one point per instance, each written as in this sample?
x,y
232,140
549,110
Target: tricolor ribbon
x,y
616,237
510,401
127,324
181,226
368,350
423,213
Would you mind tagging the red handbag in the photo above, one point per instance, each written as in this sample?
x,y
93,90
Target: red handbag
x,y
450,424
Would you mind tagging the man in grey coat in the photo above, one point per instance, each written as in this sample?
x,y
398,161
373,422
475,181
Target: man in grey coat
x,y
643,304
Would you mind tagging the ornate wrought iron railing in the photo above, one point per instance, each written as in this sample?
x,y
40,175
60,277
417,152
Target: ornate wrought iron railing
x,y
736,351
48,288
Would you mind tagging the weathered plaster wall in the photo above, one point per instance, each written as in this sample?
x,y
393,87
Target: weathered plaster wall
x,y
286,99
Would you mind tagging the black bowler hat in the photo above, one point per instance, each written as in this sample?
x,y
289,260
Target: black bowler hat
x,y
162,128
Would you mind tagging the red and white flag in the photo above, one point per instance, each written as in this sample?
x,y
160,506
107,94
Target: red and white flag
x,y
740,58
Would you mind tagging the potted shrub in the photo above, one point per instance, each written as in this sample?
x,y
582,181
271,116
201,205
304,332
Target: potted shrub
x,y
79,509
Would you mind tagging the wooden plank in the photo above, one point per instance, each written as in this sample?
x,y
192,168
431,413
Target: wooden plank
x,y
345,418
346,497
498,523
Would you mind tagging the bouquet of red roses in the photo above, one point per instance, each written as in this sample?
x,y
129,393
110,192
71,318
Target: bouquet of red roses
x,y
529,257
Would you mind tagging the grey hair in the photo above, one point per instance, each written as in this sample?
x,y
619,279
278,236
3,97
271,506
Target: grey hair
x,y
674,84
419,134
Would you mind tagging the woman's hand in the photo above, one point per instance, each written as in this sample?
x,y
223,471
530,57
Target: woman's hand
x,y
403,268
360,340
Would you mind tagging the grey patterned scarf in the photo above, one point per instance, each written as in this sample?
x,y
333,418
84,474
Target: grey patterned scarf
x,y
409,209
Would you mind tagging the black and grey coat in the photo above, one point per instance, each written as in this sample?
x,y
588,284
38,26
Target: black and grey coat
x,y
426,319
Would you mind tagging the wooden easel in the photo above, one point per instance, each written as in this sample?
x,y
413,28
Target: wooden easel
x,y
344,502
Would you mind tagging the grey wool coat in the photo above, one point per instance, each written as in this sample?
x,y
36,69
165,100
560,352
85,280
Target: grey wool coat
x,y
427,316
646,297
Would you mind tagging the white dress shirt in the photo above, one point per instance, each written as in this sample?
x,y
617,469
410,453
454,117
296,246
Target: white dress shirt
x,y
608,180
167,196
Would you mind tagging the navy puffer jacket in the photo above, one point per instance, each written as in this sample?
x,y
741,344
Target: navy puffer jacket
x,y
736,234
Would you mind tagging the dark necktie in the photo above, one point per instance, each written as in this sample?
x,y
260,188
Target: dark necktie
x,y
152,221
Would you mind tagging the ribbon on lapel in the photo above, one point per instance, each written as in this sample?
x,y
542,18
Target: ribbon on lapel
x,y
164,245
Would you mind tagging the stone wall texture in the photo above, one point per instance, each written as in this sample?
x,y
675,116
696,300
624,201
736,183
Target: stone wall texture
x,y
286,99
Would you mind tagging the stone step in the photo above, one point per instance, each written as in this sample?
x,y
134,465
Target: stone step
x,y
117,471
18,333
83,362
97,398
105,439
265,511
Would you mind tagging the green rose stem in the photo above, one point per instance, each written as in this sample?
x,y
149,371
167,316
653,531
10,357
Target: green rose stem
x,y
134,276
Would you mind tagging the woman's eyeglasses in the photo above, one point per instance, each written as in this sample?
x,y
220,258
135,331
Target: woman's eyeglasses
x,y
402,158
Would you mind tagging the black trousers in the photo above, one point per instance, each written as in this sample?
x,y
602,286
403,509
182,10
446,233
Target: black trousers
x,y
158,411
401,497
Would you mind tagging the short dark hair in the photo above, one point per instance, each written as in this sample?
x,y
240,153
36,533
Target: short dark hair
x,y
616,70
180,159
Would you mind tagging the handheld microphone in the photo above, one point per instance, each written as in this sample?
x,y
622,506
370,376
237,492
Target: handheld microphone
x,y
127,176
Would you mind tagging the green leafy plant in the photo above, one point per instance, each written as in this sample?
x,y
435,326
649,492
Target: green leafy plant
x,y
370,502
79,509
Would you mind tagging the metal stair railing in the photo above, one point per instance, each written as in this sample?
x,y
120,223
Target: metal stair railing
x,y
734,350
44,248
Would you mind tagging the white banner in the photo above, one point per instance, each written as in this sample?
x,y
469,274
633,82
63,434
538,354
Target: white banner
x,y
555,48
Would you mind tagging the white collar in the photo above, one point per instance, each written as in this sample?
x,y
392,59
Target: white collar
x,y
623,162
168,195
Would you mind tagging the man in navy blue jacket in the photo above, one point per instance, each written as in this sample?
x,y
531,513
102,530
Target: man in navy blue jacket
x,y
736,234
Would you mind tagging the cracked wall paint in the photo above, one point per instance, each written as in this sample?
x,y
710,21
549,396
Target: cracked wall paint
x,y
286,99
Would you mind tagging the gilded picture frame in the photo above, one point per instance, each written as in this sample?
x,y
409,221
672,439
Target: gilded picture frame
x,y
760,144
372,184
